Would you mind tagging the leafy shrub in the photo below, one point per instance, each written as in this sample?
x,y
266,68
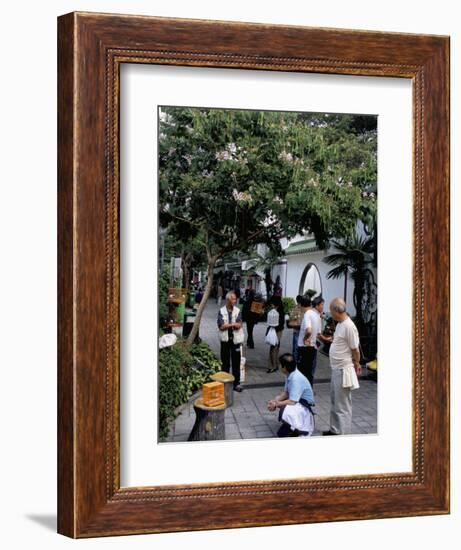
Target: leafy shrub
x,y
288,304
202,352
172,364
180,375
310,293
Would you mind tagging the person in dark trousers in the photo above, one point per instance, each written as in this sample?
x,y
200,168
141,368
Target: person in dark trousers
x,y
317,308
278,290
199,295
307,340
294,322
250,317
295,402
237,293
231,336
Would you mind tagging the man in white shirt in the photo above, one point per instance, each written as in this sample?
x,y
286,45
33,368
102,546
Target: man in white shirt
x,y
344,357
311,326
317,308
317,336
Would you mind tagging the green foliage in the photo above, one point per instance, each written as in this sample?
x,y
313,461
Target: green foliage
x,y
288,304
178,379
232,179
202,352
236,178
163,285
178,242
353,257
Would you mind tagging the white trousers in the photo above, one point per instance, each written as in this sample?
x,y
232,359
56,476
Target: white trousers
x,y
341,404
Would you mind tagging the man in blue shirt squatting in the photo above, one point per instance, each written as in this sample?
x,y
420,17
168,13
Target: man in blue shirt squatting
x,y
295,402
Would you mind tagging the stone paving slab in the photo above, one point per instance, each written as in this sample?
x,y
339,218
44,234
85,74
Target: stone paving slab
x,y
258,422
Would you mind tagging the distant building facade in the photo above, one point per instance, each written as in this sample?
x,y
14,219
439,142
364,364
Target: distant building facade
x,y
299,270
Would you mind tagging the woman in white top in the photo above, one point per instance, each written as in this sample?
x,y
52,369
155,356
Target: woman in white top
x,y
276,319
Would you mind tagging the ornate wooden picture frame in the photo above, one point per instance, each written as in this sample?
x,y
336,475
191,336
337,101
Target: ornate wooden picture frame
x,y
92,48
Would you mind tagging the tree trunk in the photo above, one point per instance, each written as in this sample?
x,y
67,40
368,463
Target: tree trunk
x,y
345,288
209,422
359,313
186,271
201,307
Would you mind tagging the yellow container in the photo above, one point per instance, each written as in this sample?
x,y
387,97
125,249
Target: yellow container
x,y
257,307
213,394
176,295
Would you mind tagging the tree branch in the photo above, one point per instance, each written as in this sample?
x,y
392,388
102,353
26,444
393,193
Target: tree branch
x,y
194,224
248,240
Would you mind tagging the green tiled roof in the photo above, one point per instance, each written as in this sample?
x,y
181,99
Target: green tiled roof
x,y
301,247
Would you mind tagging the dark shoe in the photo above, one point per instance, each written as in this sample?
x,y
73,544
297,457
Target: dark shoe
x,y
238,388
328,432
250,346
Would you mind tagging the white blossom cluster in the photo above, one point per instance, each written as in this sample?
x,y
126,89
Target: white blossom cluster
x,y
232,148
366,195
223,155
232,153
288,157
341,182
271,219
165,117
241,196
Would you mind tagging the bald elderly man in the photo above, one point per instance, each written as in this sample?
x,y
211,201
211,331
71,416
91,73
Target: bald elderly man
x,y
345,367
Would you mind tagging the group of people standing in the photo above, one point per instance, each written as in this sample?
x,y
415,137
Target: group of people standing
x,y
306,322
297,399
298,367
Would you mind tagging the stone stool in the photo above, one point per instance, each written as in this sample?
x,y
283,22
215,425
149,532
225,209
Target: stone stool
x,y
228,380
209,422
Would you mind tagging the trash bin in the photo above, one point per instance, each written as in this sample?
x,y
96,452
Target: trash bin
x,y
191,298
180,309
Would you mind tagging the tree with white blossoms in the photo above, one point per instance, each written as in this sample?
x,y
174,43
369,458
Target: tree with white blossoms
x,y
232,179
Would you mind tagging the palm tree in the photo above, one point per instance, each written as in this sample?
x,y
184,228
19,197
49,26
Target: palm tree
x,y
354,255
265,262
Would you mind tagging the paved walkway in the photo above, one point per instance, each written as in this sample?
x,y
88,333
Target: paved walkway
x,y
248,418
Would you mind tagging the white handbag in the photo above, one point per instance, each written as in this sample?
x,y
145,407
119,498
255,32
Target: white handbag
x,y
271,337
243,360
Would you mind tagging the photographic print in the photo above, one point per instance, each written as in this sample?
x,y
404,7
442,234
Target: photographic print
x,y
267,274
249,192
